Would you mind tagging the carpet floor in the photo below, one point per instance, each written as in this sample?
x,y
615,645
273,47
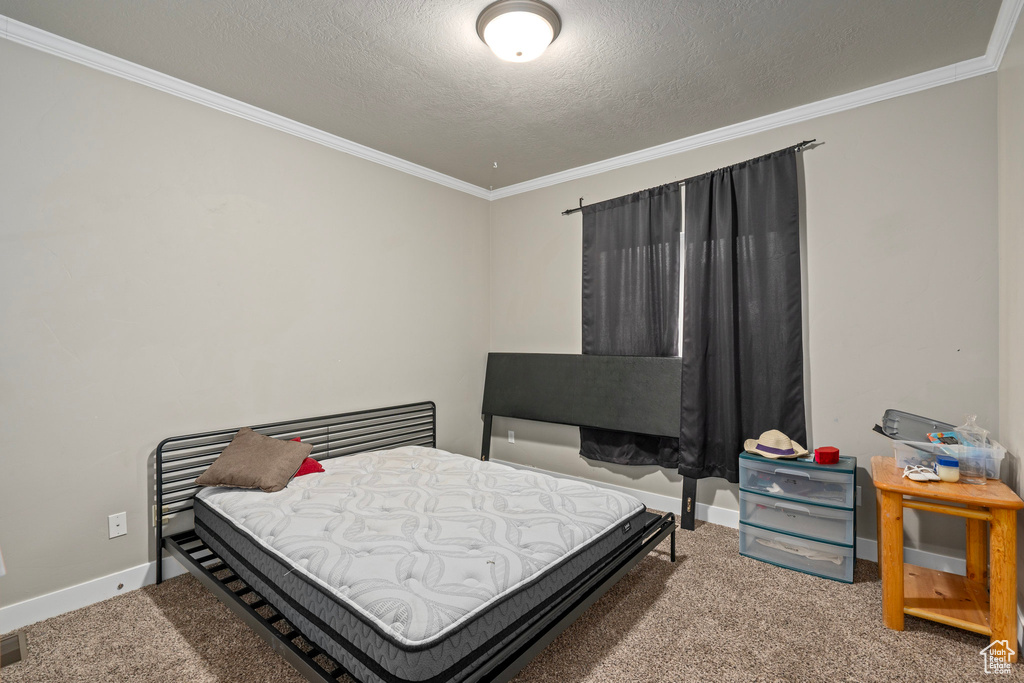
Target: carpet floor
x,y
712,615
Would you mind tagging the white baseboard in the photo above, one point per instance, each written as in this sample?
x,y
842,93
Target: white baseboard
x,y
867,549
84,594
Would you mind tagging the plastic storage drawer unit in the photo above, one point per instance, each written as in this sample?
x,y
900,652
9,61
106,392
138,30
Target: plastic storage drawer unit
x,y
800,519
811,557
799,514
795,480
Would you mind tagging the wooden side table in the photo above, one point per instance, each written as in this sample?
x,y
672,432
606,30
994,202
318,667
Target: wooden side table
x,y
978,602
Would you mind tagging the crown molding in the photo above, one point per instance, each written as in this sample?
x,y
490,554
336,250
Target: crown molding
x,y
1006,20
44,41
1009,12
884,91
877,93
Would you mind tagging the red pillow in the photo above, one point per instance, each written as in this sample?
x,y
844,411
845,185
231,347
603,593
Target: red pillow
x,y
309,465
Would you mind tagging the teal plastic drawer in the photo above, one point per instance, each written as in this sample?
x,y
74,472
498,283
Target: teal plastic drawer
x,y
811,557
782,479
801,519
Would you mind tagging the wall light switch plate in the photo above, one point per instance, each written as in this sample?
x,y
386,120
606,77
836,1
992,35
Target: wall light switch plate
x,y
118,524
511,436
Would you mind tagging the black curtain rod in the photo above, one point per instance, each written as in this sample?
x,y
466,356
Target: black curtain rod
x,y
795,148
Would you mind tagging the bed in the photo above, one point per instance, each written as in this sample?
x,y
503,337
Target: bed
x,y
401,562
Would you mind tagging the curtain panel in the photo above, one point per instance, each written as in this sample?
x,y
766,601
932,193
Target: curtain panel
x,y
742,317
631,259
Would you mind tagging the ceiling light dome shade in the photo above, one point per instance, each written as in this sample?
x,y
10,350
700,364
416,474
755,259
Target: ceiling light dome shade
x,y
518,30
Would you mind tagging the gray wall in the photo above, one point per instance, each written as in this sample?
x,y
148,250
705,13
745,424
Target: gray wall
x,y
901,282
166,268
1011,255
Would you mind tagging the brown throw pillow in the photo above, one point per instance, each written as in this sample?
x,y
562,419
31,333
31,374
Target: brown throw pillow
x,y
254,461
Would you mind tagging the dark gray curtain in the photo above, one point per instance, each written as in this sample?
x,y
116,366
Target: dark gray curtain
x,y
631,257
742,325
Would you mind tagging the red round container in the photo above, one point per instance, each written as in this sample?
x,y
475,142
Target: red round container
x,y
826,455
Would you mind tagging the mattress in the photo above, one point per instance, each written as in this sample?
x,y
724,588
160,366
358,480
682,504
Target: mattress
x,y
414,564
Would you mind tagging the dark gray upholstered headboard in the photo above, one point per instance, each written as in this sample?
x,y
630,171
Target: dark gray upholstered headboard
x,y
624,393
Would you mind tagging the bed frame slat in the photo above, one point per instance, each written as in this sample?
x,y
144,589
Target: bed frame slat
x,y
180,459
321,434
283,643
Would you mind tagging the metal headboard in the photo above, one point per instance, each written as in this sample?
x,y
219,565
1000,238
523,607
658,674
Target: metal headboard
x,y
180,459
623,393
639,394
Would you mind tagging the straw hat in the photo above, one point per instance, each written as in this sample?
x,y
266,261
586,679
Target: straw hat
x,y
774,444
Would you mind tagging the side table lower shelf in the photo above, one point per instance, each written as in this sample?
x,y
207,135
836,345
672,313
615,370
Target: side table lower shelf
x,y
949,599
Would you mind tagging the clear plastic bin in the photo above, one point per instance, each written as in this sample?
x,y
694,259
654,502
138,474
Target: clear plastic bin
x,y
990,458
807,520
924,453
921,453
811,557
783,479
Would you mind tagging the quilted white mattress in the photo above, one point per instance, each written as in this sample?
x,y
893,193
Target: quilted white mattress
x,y
418,540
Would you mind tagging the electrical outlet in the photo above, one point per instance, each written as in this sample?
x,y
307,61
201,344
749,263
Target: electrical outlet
x,y
858,496
118,524
511,436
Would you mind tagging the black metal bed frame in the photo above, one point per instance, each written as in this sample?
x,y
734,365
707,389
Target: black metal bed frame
x,y
180,459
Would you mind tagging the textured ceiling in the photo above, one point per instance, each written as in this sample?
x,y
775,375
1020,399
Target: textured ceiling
x,y
413,79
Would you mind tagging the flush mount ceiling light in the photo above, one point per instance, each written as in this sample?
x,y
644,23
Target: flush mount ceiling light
x,y
518,30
